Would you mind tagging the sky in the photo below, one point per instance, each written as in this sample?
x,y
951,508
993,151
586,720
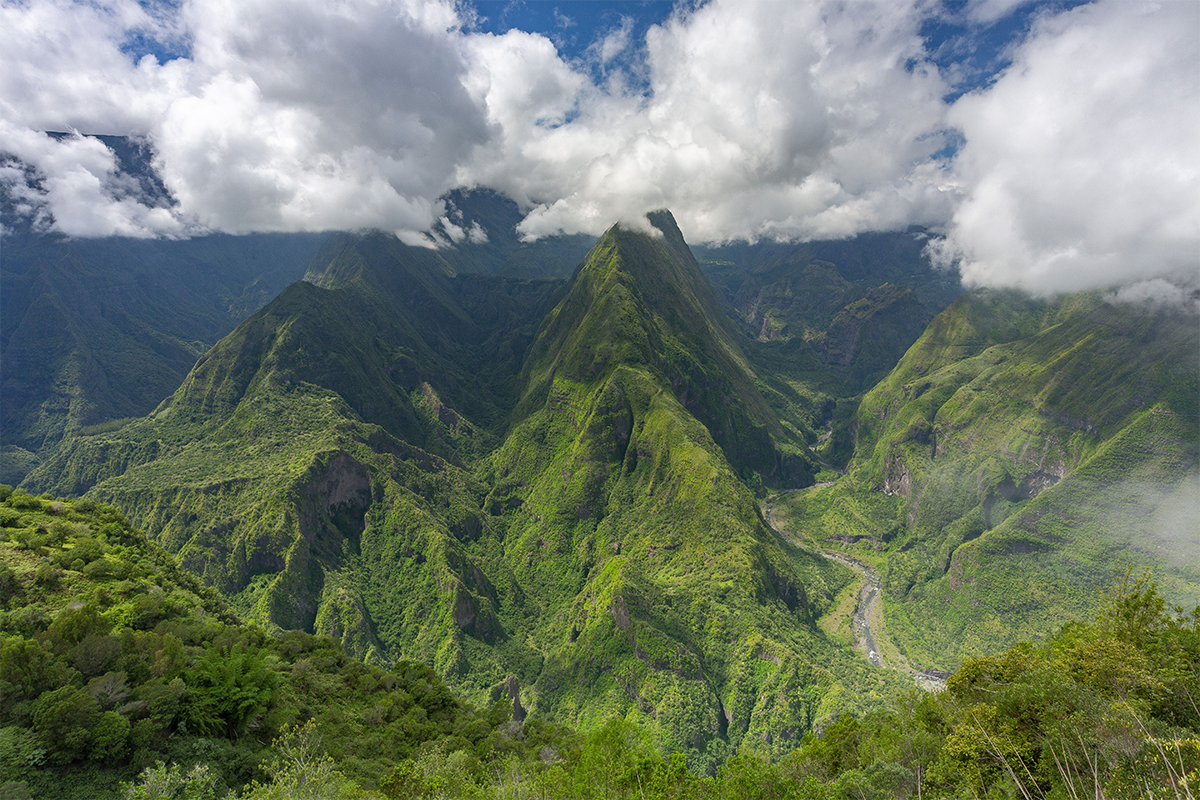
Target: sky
x,y
1051,146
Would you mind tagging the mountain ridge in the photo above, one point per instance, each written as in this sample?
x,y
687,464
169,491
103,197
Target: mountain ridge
x,y
1012,456
333,465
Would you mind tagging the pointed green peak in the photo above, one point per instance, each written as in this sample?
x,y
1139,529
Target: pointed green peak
x,y
664,222
640,300
381,264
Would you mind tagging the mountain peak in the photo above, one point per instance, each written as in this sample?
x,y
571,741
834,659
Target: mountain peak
x,y
640,300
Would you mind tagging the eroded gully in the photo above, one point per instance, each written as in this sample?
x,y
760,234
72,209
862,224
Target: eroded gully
x,y
869,604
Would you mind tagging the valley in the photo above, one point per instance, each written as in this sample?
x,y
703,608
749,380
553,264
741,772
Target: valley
x,y
510,477
863,616
729,500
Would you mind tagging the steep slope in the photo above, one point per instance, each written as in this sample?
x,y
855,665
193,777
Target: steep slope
x,y
382,455
97,330
658,590
93,331
641,300
1013,457
112,658
825,321
311,448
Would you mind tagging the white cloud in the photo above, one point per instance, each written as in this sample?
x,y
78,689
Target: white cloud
x,y
988,11
762,119
1157,293
76,189
287,115
63,67
1080,167
319,115
615,42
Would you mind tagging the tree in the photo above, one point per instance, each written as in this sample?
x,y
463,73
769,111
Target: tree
x,y
161,782
64,719
302,771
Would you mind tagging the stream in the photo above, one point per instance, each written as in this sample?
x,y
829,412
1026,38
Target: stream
x,y
869,605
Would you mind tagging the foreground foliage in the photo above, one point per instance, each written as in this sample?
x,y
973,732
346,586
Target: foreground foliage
x,y
113,659
117,666
1104,709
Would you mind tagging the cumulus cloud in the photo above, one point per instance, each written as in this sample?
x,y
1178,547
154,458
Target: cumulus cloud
x,y
286,115
761,120
1076,168
747,120
615,42
72,184
319,115
1080,164
64,67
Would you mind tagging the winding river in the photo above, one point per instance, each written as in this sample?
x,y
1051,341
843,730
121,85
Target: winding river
x,y
869,604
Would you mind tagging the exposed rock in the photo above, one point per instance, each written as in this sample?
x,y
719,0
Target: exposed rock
x,y
620,613
513,687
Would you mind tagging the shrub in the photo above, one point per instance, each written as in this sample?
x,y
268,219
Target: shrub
x,y
64,719
10,587
20,752
47,576
100,569
228,690
161,782
75,624
110,737
23,501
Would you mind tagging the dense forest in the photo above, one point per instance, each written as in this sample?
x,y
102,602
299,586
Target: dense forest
x,y
454,524
124,676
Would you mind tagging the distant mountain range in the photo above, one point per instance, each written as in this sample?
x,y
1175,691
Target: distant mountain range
x,y
540,465
499,476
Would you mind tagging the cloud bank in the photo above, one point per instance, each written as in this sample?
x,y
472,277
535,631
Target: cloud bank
x,y
1076,168
1080,166
762,120
747,120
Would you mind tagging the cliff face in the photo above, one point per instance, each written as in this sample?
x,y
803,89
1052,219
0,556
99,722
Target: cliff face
x,y
499,478
1024,444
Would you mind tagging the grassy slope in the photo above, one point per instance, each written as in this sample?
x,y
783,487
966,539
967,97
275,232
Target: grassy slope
x,y
309,467
95,330
319,504
658,590
113,658
1025,448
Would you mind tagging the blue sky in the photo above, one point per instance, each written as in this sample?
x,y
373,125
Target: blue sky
x,y
572,26
978,49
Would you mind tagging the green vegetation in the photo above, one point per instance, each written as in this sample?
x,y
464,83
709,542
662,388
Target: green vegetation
x,y
546,493
1017,450
113,659
501,478
431,471
93,330
824,321
1101,709
660,594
